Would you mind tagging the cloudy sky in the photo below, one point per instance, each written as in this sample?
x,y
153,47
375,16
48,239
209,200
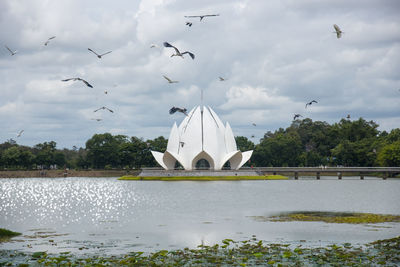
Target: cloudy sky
x,y
275,55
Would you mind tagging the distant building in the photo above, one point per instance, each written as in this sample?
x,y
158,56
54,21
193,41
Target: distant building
x,y
202,142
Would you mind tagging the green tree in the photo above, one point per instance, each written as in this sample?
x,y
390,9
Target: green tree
x,y
103,149
243,143
390,155
45,153
280,149
17,157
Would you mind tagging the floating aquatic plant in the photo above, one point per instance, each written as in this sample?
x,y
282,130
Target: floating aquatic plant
x,y
230,253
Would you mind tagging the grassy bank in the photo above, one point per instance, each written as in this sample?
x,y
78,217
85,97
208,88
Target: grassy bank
x,y
229,253
61,173
202,178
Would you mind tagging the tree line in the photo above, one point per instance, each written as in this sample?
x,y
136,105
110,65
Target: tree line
x,y
304,143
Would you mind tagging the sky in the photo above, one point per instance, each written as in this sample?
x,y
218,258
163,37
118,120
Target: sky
x,y
275,56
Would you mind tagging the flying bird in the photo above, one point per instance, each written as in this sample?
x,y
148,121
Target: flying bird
x,y
105,108
337,31
254,124
310,103
221,79
97,119
177,53
202,16
12,52
252,136
175,109
153,46
182,143
296,116
20,132
188,23
169,80
99,56
48,40
105,92
78,79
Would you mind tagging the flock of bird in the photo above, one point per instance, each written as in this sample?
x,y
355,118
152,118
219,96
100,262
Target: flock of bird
x,y
338,33
177,53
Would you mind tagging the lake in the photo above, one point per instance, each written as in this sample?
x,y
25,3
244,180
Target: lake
x,y
104,215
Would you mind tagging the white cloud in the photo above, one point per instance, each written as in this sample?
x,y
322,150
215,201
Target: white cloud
x,y
276,56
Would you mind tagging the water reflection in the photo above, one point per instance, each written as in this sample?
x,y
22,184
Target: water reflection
x,y
107,215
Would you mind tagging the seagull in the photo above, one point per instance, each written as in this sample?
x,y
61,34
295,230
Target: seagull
x,y
337,31
188,23
12,52
175,109
254,124
310,103
177,51
105,108
221,79
78,79
48,40
296,116
99,56
202,16
20,132
97,119
169,80
153,46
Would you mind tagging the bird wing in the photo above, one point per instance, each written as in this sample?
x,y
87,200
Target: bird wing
x,y
187,52
213,15
314,101
109,110
172,110
52,37
106,53
338,31
170,45
221,79
192,16
97,109
85,82
168,79
9,49
66,80
93,51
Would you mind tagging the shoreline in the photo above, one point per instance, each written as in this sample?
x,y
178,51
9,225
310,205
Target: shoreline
x,y
62,173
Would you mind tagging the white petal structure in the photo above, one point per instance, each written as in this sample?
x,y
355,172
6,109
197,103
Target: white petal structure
x,y
201,140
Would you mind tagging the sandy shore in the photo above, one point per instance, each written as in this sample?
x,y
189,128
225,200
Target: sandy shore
x,y
61,173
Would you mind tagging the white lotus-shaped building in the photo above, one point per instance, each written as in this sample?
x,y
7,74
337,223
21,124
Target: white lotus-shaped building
x,y
202,141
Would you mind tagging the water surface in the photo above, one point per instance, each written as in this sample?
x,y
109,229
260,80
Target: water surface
x,y
106,215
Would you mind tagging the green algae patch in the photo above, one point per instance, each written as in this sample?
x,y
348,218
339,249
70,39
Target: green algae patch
x,y
331,217
7,234
276,177
228,253
202,178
